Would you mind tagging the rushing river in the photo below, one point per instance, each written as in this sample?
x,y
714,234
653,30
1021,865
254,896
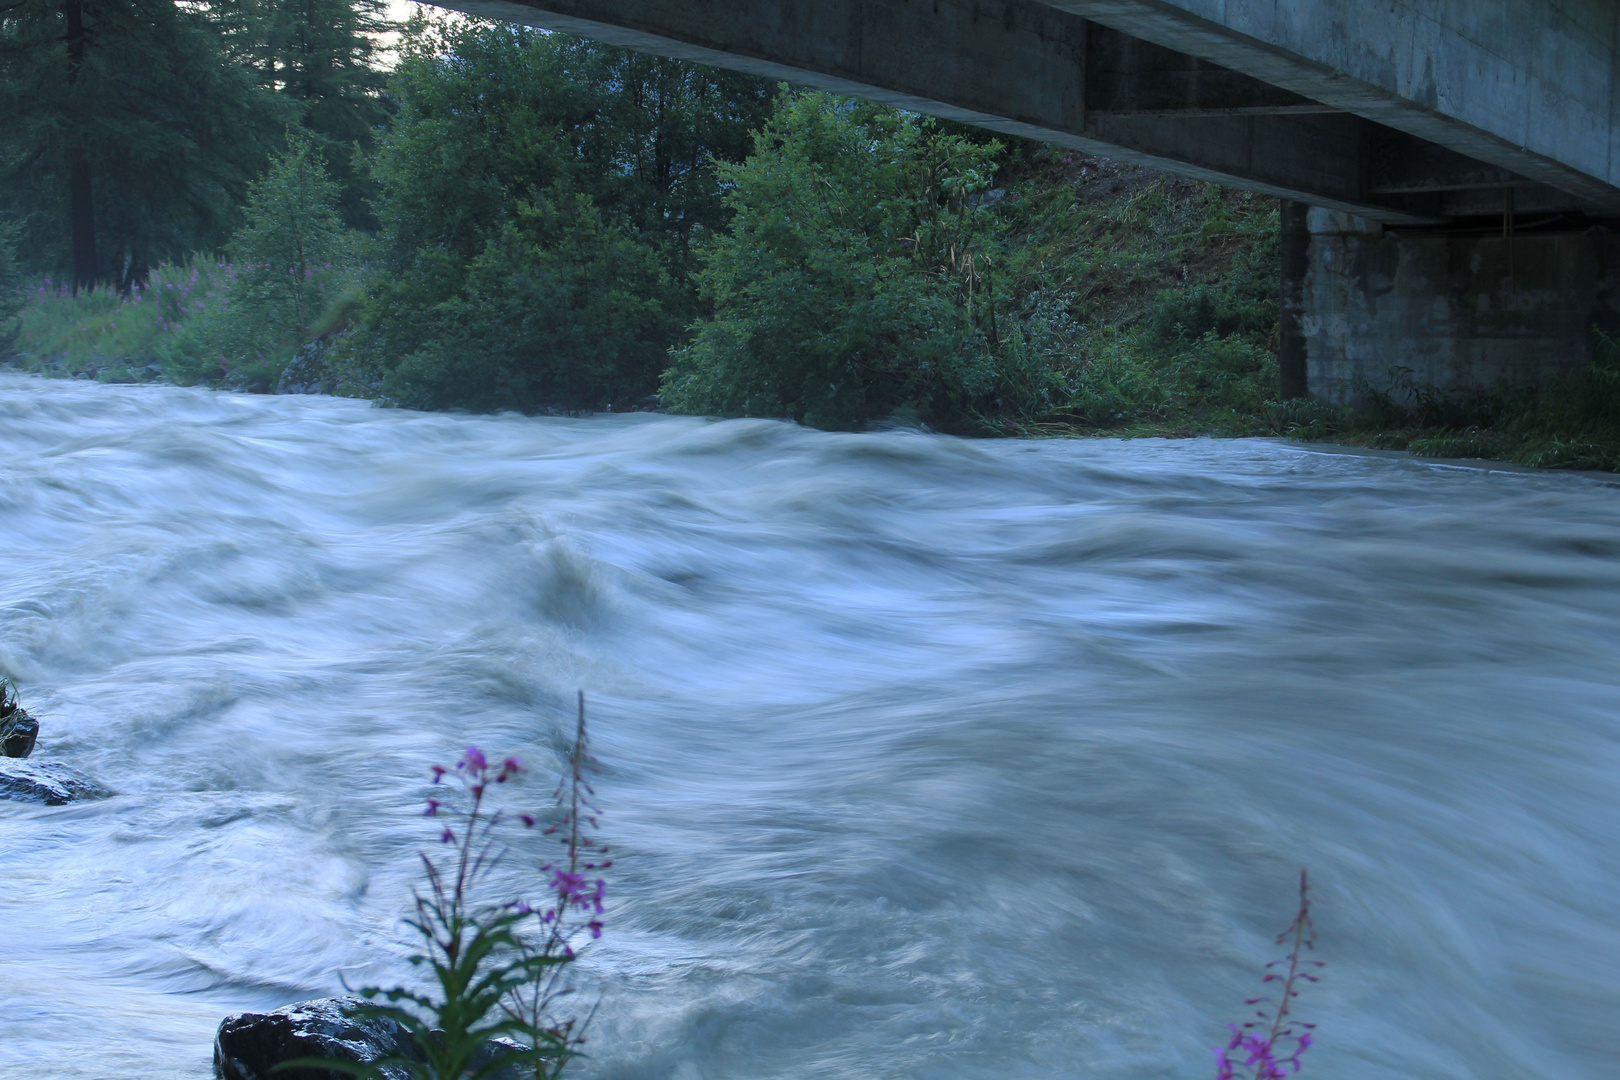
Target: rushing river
x,y
922,757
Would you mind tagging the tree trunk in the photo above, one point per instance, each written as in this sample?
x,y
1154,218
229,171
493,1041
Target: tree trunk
x,y
81,199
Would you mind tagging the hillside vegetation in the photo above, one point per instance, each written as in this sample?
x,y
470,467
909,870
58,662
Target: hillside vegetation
x,y
564,226
539,223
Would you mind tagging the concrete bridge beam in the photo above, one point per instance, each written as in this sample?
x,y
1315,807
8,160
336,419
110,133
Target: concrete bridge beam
x,y
1020,67
1530,86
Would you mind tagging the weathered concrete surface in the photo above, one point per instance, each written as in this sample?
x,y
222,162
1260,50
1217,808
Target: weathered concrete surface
x,y
1528,85
1459,310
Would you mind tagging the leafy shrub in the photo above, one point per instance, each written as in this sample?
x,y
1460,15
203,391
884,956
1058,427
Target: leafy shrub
x,y
873,268
858,275
539,195
560,309
292,259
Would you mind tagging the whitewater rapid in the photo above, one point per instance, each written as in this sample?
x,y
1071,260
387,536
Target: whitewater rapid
x,y
921,757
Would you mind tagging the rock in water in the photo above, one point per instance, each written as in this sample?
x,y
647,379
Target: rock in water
x,y
18,730
17,734
48,782
249,1045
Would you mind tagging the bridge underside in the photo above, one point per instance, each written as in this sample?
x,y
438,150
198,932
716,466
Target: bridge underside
x,y
1152,82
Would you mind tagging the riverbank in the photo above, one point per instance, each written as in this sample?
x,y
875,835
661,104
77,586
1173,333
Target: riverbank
x,y
1157,318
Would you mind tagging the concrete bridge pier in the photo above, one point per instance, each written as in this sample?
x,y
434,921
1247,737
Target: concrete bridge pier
x,y
1462,308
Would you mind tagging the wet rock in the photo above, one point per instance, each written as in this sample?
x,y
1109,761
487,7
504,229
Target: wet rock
x,y
48,782
18,731
249,1045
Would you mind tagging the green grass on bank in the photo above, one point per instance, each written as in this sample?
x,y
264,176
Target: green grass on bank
x,y
1569,422
1168,290
112,338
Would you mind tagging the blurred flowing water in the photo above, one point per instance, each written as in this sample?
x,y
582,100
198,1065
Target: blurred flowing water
x,y
922,757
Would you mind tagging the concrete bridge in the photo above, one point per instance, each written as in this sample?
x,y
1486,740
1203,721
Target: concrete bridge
x,y
1450,168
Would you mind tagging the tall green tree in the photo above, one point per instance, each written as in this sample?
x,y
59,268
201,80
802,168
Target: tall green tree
x,y
293,251
291,260
540,197
324,58
129,137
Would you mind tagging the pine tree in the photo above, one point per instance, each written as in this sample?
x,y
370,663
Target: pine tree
x,y
292,242
323,58
130,136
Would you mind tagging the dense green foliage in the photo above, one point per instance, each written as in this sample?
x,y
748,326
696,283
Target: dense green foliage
x,y
855,278
540,195
293,258
129,136
134,126
1167,289
872,268
1570,422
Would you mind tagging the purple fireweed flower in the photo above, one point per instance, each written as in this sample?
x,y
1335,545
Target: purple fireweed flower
x,y
475,760
570,887
1262,1040
432,808
527,819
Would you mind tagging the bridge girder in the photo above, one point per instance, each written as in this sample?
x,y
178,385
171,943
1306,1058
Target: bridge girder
x,y
1070,72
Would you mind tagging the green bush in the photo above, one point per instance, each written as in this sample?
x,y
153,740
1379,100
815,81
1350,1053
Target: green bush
x,y
539,196
873,268
559,309
859,275
293,258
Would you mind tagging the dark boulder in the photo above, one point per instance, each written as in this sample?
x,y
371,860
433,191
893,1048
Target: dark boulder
x,y
18,730
48,782
18,733
249,1045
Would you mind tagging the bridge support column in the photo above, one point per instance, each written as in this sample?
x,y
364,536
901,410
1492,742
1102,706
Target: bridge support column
x,y
1295,244
1459,309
